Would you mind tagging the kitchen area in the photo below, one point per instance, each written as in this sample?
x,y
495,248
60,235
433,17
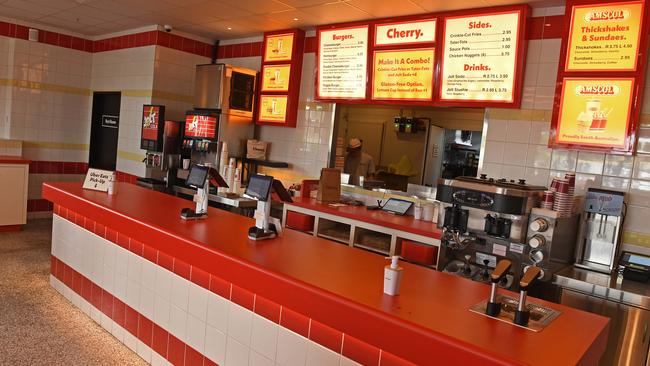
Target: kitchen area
x,y
472,182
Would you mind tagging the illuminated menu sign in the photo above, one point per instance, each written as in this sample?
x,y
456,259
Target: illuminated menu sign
x,y
595,112
273,108
405,33
278,47
276,78
604,37
480,58
403,75
342,63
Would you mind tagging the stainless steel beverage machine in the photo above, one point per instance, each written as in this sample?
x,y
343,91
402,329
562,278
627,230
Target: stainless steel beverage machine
x,y
600,230
224,98
161,140
485,220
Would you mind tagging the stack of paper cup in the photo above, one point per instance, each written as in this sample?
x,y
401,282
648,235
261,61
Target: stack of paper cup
x,y
427,211
236,185
547,200
562,200
571,177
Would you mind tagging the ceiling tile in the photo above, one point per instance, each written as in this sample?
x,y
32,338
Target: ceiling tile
x,y
221,10
259,6
335,13
384,9
308,3
22,14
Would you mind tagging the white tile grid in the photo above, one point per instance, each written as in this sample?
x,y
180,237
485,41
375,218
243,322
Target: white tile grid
x,y
229,333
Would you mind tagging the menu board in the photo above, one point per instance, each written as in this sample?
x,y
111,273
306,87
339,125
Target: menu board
x,y
276,78
595,112
273,108
201,126
278,47
150,122
403,75
342,63
415,32
479,57
604,37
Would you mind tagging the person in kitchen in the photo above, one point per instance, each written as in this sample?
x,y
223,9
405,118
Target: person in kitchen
x,y
358,163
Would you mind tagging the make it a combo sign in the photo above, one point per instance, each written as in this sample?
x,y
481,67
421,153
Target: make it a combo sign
x,y
98,180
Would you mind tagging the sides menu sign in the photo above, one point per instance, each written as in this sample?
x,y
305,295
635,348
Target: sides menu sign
x,y
479,58
604,37
342,63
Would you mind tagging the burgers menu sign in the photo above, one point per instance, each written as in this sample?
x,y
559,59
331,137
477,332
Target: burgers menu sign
x,y
342,63
480,58
604,37
472,57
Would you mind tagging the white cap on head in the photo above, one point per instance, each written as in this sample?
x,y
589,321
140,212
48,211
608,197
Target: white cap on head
x,y
354,143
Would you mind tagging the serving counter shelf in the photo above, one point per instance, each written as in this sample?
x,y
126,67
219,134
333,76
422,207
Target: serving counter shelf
x,y
316,296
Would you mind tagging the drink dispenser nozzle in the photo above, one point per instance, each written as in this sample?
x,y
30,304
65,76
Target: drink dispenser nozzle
x,y
493,307
522,314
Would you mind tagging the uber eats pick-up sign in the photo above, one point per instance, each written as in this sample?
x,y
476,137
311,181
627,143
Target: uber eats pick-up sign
x,y
98,180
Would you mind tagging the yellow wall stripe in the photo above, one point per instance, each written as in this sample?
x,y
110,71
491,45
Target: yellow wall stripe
x,y
54,145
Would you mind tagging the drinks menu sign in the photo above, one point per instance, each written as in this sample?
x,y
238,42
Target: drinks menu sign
x,y
403,75
342,63
480,57
279,47
604,37
595,112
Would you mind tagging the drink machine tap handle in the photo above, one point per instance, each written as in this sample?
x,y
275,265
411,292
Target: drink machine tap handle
x,y
493,307
522,314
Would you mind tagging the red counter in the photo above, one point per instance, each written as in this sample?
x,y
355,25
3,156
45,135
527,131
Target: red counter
x,y
330,295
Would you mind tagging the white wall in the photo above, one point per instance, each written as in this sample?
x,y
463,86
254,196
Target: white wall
x,y
517,144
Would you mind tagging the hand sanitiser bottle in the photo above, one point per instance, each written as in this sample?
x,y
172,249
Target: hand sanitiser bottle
x,y
392,276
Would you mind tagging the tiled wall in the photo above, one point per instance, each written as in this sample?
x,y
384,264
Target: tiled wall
x,y
517,144
306,147
126,287
131,72
46,93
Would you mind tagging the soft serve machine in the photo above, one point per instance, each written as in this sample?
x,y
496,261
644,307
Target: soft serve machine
x,y
486,220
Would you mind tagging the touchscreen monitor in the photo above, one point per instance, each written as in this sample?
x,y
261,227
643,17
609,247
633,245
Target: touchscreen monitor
x,y
259,187
198,175
397,206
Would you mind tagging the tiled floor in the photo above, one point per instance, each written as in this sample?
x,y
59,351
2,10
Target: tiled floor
x,y
38,326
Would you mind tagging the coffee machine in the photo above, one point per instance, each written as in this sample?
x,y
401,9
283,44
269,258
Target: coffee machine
x,y
484,220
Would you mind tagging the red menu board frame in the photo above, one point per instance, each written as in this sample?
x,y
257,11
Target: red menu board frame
x,y
521,32
295,71
637,93
520,56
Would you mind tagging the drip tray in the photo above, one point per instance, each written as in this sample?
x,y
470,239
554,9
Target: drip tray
x,y
540,316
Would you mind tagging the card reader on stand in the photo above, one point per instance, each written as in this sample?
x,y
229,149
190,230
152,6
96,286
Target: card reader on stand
x,y
259,188
201,177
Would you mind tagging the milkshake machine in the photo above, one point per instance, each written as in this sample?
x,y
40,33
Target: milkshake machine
x,y
161,140
485,220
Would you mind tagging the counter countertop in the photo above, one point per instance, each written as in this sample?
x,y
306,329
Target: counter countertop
x,y
612,287
9,159
428,323
377,217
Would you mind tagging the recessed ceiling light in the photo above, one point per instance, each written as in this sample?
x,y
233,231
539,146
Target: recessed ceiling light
x,y
295,19
229,28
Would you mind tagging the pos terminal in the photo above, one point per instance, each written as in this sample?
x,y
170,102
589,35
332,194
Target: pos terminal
x,y
259,188
200,177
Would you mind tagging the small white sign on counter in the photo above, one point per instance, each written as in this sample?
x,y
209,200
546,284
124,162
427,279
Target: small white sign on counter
x,y
98,180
